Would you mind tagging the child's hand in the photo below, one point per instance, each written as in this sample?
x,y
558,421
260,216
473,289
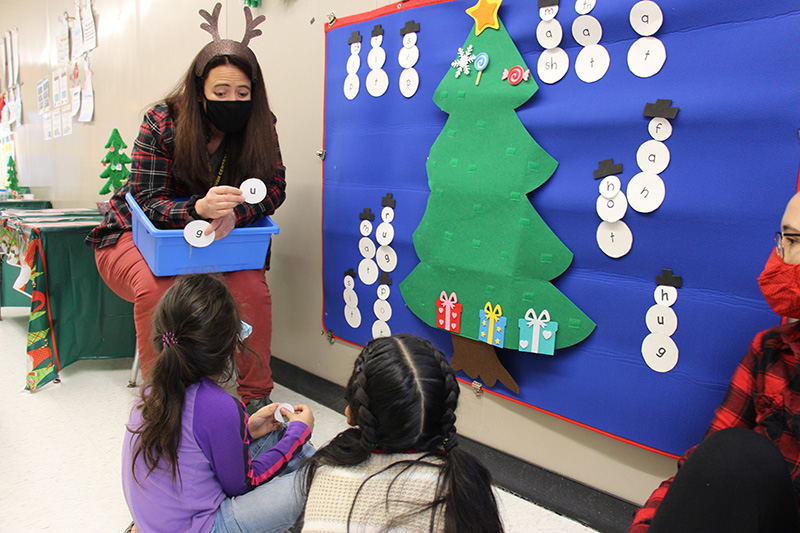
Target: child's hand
x,y
263,421
302,413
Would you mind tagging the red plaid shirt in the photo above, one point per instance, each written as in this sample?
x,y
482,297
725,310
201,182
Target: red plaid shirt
x,y
155,188
764,395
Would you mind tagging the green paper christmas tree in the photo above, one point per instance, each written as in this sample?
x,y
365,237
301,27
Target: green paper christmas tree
x,y
115,160
13,181
480,236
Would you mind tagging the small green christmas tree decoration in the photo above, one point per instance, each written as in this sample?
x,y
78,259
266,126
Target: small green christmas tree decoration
x,y
115,160
481,240
13,182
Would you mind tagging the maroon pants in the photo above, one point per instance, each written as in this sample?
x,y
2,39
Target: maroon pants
x,y
125,271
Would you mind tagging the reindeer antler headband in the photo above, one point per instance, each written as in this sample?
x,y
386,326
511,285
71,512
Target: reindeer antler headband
x,y
227,47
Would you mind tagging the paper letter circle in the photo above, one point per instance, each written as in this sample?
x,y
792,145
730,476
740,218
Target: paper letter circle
x,y
368,271
353,63
351,86
366,247
193,233
586,30
646,18
610,186
614,238
350,298
377,82
382,309
353,316
592,63
553,64
611,209
646,192
278,415
661,319
408,57
380,329
254,190
659,129
549,34
646,57
659,352
408,82
652,157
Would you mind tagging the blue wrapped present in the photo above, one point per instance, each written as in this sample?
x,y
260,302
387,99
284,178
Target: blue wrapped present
x,y
493,325
537,334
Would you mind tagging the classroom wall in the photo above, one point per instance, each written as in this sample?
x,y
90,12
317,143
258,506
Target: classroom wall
x,y
144,47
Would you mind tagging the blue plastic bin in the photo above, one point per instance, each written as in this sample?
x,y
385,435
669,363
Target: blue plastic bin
x,y
168,254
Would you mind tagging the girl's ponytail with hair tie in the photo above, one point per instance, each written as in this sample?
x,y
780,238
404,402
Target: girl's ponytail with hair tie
x,y
168,339
450,443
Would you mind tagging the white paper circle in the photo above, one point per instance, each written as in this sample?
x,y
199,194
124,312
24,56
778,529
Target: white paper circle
x,y
584,7
353,316
365,227
353,63
377,82
376,41
665,295
586,30
350,298
387,214
382,309
351,86
548,13
355,48
614,238
384,234
386,258
553,64
661,319
384,291
409,39
376,58
278,415
646,192
408,82
659,352
610,186
646,18
366,247
368,271
659,128
380,329
611,209
646,57
254,190
592,63
653,157
549,33
193,233
349,282
408,57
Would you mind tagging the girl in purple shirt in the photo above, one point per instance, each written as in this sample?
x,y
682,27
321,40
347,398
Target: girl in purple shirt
x,y
192,460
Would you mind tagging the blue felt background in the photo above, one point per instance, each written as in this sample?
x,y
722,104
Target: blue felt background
x,y
733,70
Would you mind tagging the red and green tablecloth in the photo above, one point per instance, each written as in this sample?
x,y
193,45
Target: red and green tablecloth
x,y
73,314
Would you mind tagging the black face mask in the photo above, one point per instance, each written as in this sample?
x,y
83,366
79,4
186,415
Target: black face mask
x,y
228,116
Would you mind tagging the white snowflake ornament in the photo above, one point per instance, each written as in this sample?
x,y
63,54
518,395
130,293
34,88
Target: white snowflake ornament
x,y
461,63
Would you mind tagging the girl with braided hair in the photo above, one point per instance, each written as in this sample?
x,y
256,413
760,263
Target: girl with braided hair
x,y
192,459
399,467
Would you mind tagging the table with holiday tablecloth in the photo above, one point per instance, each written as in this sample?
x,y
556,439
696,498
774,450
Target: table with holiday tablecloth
x,y
73,314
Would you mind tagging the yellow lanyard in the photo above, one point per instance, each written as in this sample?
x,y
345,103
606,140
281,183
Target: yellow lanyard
x,y
221,169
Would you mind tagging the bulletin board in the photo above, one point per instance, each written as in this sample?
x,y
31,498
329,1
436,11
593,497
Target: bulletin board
x,y
727,90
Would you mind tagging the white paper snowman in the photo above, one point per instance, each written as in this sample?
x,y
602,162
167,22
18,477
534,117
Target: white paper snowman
x,y
613,236
646,189
408,57
368,271
658,349
377,80
385,256
647,55
351,82
351,313
593,60
553,62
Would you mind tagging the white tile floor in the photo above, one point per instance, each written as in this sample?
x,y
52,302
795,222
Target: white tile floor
x,y
60,447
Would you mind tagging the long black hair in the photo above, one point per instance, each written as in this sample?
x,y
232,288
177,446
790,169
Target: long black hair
x,y
252,152
196,329
403,395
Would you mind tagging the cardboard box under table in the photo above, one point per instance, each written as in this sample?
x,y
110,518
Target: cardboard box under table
x,y
74,315
168,254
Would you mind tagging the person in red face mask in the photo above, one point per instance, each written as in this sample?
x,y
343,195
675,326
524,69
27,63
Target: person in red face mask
x,y
744,476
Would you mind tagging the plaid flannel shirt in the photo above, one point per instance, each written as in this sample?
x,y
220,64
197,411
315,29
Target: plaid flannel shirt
x,y
155,188
764,395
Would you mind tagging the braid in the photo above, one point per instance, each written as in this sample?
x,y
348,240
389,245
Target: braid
x,y
448,420
361,406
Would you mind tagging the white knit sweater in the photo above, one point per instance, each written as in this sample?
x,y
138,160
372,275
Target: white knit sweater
x,y
334,489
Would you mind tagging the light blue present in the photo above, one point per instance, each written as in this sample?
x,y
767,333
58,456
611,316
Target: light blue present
x,y
493,325
537,334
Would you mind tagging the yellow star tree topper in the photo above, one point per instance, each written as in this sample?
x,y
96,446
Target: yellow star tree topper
x,y
485,15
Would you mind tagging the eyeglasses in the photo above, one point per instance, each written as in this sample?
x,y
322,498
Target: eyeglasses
x,y
780,237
